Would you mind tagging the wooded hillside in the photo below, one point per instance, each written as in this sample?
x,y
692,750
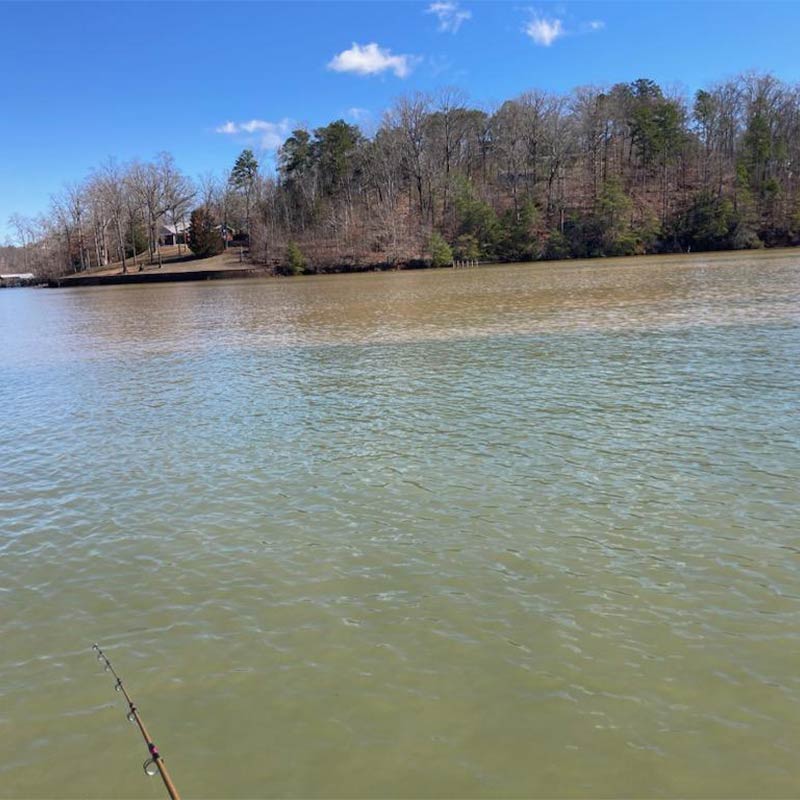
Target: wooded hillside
x,y
617,171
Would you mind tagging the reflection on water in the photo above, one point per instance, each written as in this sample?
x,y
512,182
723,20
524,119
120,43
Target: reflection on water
x,y
515,531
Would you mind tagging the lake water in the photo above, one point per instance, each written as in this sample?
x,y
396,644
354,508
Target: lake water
x,y
520,531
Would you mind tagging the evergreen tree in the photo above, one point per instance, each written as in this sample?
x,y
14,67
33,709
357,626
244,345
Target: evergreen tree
x,y
518,240
441,254
556,247
713,223
612,216
243,179
296,263
204,236
467,248
478,228
294,155
333,149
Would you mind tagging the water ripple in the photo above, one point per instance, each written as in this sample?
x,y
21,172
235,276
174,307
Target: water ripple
x,y
528,531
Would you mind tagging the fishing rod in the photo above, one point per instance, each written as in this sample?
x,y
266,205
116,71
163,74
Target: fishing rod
x,y
155,763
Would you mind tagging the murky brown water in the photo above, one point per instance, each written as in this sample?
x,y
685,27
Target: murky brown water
x,y
515,531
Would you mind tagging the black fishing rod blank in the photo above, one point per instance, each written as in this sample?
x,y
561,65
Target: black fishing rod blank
x,y
154,764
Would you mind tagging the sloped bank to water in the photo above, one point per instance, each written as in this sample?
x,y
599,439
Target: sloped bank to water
x,y
157,277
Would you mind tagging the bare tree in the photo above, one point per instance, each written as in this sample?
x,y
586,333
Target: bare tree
x,y
112,187
179,192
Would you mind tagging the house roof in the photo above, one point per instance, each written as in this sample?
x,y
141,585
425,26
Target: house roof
x,y
180,227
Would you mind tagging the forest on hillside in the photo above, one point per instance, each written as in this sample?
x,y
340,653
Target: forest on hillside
x,y
613,171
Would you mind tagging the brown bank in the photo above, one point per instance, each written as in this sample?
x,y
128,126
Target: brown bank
x,y
225,265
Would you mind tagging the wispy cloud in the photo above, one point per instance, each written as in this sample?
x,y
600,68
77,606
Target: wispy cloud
x,y
370,59
358,114
449,14
544,31
592,26
439,65
270,135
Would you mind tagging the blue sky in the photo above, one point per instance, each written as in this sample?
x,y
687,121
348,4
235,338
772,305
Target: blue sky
x,y
84,81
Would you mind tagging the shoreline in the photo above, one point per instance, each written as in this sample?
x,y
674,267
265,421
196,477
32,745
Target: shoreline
x,y
174,274
160,276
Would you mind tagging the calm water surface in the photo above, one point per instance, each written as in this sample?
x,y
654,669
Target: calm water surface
x,y
519,531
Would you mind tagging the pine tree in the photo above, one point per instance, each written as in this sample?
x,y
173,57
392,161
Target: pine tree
x,y
243,179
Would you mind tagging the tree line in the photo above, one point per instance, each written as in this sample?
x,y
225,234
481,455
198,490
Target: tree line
x,y
624,170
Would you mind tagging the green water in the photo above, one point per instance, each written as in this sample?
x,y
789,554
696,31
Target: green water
x,y
524,531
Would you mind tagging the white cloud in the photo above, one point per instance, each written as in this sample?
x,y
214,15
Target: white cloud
x,y
370,59
544,31
271,135
596,25
449,14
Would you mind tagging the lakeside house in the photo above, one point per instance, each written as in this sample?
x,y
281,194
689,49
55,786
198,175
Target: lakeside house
x,y
173,234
